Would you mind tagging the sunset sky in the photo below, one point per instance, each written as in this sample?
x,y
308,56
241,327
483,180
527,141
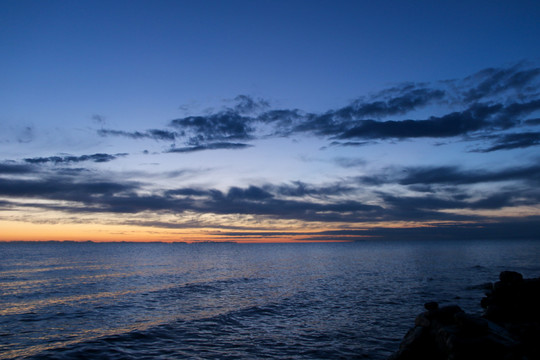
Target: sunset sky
x,y
269,120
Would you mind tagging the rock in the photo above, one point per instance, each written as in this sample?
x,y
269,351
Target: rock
x,y
510,277
422,320
445,315
508,330
471,325
417,345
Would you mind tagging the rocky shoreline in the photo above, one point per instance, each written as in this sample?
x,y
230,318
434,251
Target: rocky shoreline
x,y
509,329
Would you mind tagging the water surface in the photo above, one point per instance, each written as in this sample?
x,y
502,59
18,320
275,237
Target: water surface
x,y
233,301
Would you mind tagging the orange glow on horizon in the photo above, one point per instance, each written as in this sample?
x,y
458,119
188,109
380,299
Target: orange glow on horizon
x,y
110,232
20,231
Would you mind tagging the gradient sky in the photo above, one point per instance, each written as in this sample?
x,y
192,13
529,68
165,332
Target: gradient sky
x,y
269,120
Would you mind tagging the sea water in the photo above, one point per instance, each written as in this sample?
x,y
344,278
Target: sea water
x,y
236,301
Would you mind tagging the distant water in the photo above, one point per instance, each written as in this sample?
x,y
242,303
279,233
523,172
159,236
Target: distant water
x,y
236,301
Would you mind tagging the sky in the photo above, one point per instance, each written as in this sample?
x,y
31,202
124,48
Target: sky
x,y
269,121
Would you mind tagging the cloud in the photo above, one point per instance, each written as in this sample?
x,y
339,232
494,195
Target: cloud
x,y
211,146
251,193
98,158
246,104
99,119
447,126
477,117
155,134
79,193
494,81
227,125
533,121
302,189
6,168
59,188
512,141
526,228
344,201
491,100
265,201
346,162
351,143
456,175
437,202
393,101
422,178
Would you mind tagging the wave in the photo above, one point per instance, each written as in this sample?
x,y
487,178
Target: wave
x,y
267,331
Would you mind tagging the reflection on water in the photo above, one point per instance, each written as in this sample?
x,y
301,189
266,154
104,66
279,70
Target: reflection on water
x,y
282,301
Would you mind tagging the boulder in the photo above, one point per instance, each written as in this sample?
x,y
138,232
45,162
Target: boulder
x,y
509,329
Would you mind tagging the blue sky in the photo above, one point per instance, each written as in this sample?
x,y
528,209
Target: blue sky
x,y
250,120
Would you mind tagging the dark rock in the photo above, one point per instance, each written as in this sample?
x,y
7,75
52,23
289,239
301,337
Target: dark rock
x,y
445,315
508,330
417,345
471,325
422,320
510,277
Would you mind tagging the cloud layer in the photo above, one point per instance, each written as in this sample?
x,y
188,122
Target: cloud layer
x,y
489,102
496,109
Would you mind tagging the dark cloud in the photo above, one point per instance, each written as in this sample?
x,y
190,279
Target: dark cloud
x,y
251,193
494,81
351,143
99,119
227,125
449,179
281,117
13,168
533,121
98,158
301,189
527,228
187,192
59,188
455,175
95,195
399,100
513,141
477,117
490,100
404,206
264,201
246,104
155,134
211,146
338,202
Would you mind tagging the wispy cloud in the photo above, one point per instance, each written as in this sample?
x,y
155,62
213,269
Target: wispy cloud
x,y
454,175
155,134
98,158
512,141
211,146
415,194
495,81
491,100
